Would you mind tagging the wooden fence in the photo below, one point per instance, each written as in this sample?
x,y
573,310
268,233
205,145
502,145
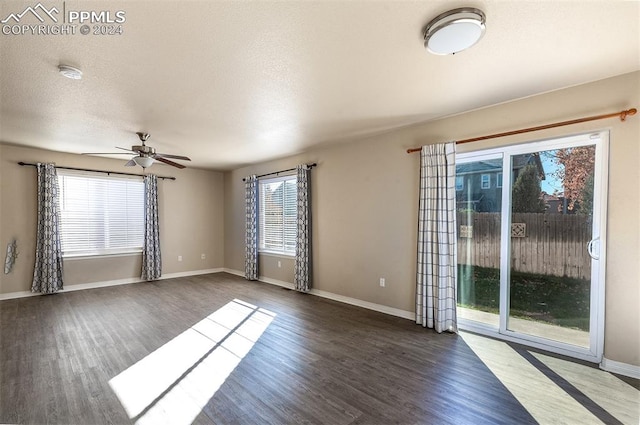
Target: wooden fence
x,y
549,244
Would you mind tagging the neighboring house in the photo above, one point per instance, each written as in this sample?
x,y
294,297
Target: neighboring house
x,y
479,183
555,204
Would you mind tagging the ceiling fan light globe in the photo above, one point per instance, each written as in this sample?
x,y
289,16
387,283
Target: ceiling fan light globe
x,y
143,161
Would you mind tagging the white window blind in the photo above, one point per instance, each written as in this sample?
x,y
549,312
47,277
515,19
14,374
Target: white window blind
x,y
278,211
100,214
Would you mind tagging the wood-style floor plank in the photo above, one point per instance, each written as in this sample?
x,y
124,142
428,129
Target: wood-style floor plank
x,y
317,362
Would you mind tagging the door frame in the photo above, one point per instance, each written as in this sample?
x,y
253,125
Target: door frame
x,y
598,267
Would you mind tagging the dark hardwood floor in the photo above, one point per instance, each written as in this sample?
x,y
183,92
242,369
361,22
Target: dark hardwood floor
x,y
316,361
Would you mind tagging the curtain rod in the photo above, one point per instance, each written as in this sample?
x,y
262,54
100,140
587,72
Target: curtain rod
x,y
99,171
622,114
282,171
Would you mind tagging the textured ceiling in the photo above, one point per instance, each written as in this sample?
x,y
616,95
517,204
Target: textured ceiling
x,y
232,83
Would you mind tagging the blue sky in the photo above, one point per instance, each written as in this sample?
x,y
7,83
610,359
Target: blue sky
x,y
550,184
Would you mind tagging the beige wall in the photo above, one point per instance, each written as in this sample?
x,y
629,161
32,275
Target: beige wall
x,y
365,201
191,219
364,207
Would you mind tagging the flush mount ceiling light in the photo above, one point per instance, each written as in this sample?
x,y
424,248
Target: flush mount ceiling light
x,y
70,72
454,31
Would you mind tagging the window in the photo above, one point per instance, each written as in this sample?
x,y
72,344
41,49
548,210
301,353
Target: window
x,y
499,180
485,181
278,215
99,214
459,182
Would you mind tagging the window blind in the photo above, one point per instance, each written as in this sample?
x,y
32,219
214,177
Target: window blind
x,y
278,215
100,214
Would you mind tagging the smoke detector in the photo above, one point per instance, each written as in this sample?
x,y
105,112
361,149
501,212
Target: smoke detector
x,y
70,72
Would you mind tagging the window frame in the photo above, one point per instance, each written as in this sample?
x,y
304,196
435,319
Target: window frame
x,y
261,223
110,223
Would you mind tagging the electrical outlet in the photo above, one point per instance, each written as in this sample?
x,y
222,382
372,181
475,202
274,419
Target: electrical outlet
x,y
179,257
279,264
202,256
382,282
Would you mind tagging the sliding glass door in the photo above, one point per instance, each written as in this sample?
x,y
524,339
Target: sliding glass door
x,y
530,253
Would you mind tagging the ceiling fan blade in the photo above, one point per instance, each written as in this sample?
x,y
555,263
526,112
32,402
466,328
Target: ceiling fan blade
x,y
166,155
166,161
105,153
125,149
131,163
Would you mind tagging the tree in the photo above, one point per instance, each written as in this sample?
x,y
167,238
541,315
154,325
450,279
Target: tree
x,y
586,197
576,174
526,196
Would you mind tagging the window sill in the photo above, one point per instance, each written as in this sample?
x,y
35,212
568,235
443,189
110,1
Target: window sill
x,y
98,256
276,254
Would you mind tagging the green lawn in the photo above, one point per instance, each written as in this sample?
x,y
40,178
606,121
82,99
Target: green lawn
x,y
562,301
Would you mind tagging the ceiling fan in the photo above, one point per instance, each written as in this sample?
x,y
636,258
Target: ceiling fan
x,y
145,155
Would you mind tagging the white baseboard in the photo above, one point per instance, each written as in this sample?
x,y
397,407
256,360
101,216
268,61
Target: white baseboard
x,y
336,297
620,368
365,304
93,285
234,271
18,294
102,284
276,282
191,273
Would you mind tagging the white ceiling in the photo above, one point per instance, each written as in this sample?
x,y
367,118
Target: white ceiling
x,y
232,83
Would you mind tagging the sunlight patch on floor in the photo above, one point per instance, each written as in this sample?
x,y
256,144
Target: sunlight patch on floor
x,y
541,397
175,382
618,398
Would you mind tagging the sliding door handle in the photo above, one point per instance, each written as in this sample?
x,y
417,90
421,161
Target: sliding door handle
x,y
593,248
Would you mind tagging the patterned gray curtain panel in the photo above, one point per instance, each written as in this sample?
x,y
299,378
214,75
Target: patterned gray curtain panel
x,y
47,273
251,236
302,270
437,251
151,257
